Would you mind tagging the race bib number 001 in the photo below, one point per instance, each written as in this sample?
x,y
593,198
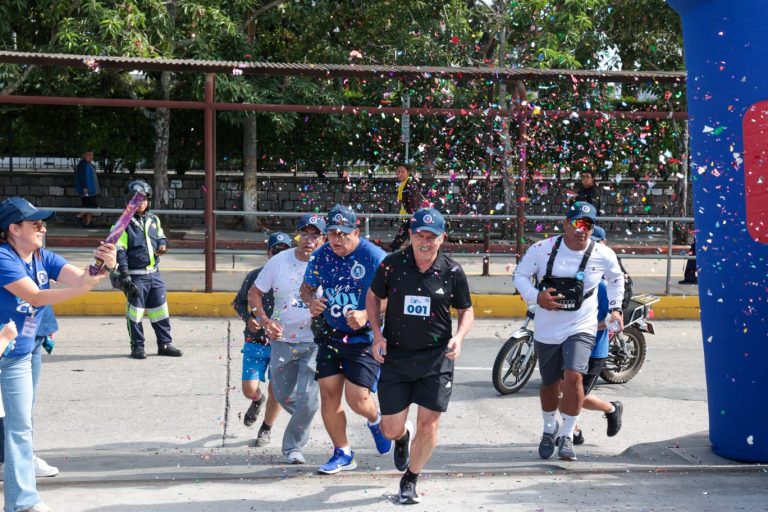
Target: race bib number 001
x,y
416,305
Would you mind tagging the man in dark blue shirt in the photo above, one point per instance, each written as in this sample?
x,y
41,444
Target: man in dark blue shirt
x,y
344,267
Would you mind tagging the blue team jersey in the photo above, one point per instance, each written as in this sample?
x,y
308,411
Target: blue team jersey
x,y
344,281
44,267
601,338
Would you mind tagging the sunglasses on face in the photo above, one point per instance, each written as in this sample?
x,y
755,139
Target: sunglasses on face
x,y
584,224
310,236
38,225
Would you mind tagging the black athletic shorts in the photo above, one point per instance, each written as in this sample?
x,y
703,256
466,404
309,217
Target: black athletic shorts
x,y
424,378
90,201
353,360
596,365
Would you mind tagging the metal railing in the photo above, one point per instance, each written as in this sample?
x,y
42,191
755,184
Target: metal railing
x,y
486,254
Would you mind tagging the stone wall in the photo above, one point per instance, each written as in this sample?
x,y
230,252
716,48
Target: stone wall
x,y
366,194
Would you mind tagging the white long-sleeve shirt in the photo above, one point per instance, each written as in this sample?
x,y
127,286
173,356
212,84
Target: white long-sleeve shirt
x,y
554,327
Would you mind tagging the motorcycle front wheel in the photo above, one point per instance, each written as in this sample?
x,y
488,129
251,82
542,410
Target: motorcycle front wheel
x,y
509,374
626,356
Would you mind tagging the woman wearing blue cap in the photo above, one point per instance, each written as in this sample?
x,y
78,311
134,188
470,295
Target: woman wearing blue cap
x,y
26,269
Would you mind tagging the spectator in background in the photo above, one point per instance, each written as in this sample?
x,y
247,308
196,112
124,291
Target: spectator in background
x,y
87,187
689,274
589,190
409,198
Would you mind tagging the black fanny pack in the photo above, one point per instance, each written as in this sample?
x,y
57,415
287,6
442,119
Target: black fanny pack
x,y
571,288
322,330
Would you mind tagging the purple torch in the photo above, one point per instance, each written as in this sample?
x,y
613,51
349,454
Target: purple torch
x,y
130,210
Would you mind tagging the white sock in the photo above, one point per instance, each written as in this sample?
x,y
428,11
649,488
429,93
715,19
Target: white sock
x,y
346,449
613,409
378,420
569,423
550,421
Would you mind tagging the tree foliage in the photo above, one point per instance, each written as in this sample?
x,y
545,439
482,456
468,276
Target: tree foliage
x,y
534,33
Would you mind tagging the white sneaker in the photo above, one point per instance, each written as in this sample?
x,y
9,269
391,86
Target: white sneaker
x,y
295,458
40,507
42,468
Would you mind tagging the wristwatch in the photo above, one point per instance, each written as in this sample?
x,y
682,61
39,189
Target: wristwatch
x,y
615,309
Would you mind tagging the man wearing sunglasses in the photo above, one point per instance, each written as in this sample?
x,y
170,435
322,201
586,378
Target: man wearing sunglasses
x,y
568,269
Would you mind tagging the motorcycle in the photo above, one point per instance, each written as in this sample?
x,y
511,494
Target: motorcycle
x,y
516,359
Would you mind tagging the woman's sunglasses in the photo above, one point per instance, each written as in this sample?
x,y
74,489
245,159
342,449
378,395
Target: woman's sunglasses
x,y
38,225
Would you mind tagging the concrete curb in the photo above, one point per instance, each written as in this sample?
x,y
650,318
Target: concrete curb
x,y
218,304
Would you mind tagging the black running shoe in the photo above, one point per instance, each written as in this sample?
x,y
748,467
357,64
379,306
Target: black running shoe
x,y
408,494
253,412
614,419
403,448
578,438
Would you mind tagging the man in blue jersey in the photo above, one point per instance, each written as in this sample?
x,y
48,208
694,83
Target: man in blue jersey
x,y
344,268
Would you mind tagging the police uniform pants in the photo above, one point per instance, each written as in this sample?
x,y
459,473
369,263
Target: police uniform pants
x,y
150,302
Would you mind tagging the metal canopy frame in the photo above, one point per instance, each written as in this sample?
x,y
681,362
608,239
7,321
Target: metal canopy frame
x,y
210,106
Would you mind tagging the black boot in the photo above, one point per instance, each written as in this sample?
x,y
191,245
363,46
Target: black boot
x,y
169,350
137,352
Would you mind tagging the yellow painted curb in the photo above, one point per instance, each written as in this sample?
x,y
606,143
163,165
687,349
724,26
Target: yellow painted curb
x,y
218,304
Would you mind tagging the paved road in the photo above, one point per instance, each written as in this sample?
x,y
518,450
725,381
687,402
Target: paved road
x,y
165,435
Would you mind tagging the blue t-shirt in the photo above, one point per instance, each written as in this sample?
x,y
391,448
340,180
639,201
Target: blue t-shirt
x,y
44,267
345,282
601,338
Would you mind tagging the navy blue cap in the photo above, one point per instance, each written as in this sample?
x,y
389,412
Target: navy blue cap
x,y
582,210
16,209
341,218
278,238
428,219
311,219
598,234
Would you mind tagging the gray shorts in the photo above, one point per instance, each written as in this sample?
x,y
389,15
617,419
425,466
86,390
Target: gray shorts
x,y
572,354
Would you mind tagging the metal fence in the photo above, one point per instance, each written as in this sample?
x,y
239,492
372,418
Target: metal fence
x,y
664,225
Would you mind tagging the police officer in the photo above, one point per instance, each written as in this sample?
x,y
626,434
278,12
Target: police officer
x,y
421,284
138,276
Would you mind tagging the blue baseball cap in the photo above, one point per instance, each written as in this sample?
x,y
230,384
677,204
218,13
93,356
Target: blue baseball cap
x,y
16,209
278,238
582,210
598,234
428,219
341,218
311,219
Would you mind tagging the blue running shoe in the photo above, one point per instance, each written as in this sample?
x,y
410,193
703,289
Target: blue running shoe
x,y
338,462
383,445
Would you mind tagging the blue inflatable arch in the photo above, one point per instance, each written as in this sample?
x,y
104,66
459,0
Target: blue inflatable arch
x,y
726,55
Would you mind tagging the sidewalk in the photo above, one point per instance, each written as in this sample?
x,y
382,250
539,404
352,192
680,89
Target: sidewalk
x,y
166,435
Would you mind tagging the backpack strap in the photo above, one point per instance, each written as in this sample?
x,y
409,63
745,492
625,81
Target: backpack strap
x,y
587,254
552,257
